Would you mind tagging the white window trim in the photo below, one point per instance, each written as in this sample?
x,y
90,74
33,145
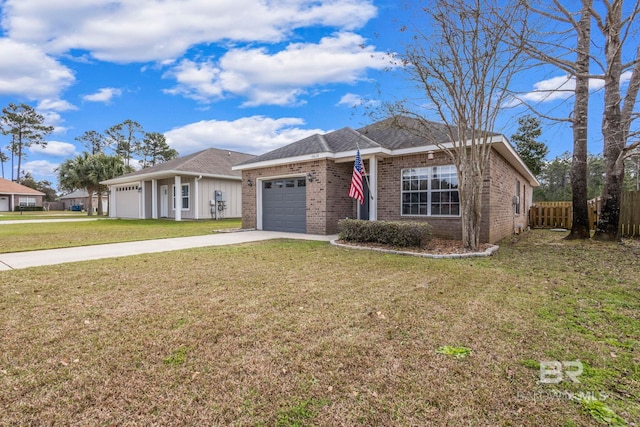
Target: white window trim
x,y
188,197
429,192
27,201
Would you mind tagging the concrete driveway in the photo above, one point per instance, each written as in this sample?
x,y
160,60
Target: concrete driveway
x,y
18,260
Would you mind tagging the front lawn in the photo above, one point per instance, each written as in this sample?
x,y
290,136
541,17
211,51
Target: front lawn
x,y
13,216
34,236
285,333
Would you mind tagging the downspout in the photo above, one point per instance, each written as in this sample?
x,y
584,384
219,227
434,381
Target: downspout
x,y
196,198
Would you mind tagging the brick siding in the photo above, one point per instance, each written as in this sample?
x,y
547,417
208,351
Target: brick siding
x,y
501,220
327,195
328,201
389,193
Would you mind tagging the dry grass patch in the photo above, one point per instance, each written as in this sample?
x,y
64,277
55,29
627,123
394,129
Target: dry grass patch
x,y
302,333
28,237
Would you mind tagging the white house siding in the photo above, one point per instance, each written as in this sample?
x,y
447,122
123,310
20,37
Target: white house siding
x,y
233,192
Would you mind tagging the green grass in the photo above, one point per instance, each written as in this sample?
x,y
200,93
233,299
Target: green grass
x,y
177,356
457,352
12,216
25,237
303,333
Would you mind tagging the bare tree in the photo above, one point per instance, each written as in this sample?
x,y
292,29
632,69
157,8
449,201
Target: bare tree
x,y
461,68
557,49
618,111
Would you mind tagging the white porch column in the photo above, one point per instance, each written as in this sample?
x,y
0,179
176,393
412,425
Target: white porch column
x,y
196,198
177,200
112,202
154,198
141,204
373,188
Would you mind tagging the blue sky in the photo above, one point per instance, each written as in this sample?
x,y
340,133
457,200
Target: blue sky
x,y
245,75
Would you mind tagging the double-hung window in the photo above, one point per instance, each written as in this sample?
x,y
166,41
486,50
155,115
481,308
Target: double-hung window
x,y
430,191
26,201
184,197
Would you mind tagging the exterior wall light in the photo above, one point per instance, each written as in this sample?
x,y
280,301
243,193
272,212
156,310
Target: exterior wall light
x,y
249,182
310,177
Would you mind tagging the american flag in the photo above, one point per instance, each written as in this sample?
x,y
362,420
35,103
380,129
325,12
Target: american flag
x,y
355,190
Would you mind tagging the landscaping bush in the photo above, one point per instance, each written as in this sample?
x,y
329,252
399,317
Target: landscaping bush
x,y
394,233
28,209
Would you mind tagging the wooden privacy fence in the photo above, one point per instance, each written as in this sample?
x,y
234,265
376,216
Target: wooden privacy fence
x,y
550,215
630,214
559,214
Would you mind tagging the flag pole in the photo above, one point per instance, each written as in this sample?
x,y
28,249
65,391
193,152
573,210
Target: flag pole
x,y
366,175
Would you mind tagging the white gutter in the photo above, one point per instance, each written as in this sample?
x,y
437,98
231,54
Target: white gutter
x,y
197,197
165,174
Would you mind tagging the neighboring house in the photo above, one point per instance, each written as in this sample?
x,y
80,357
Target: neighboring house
x,y
79,200
303,187
182,188
14,195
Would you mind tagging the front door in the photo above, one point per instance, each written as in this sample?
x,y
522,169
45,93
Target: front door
x,y
363,210
164,201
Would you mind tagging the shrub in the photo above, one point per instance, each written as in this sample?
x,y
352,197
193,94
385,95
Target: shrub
x,y
28,208
394,233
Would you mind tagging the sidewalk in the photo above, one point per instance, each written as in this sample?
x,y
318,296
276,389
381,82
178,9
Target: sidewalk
x,y
19,260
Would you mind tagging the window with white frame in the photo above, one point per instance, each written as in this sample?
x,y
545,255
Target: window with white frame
x,y
26,201
430,191
184,197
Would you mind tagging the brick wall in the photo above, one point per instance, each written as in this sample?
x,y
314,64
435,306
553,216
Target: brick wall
x,y
389,193
327,195
501,218
328,201
339,204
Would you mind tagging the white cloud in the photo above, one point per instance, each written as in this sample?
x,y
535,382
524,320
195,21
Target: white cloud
x,y
54,148
279,78
56,105
156,30
40,168
103,95
353,100
27,71
560,87
255,134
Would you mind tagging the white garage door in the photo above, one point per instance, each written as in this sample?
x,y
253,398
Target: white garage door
x,y
4,203
284,205
127,202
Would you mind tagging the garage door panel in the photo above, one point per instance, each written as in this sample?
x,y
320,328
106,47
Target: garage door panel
x,y
284,205
127,202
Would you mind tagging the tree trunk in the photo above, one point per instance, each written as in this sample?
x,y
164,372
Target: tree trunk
x,y
19,155
580,226
90,207
471,206
100,210
612,130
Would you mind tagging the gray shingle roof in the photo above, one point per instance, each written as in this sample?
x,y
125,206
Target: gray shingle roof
x,y
212,161
333,142
392,134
